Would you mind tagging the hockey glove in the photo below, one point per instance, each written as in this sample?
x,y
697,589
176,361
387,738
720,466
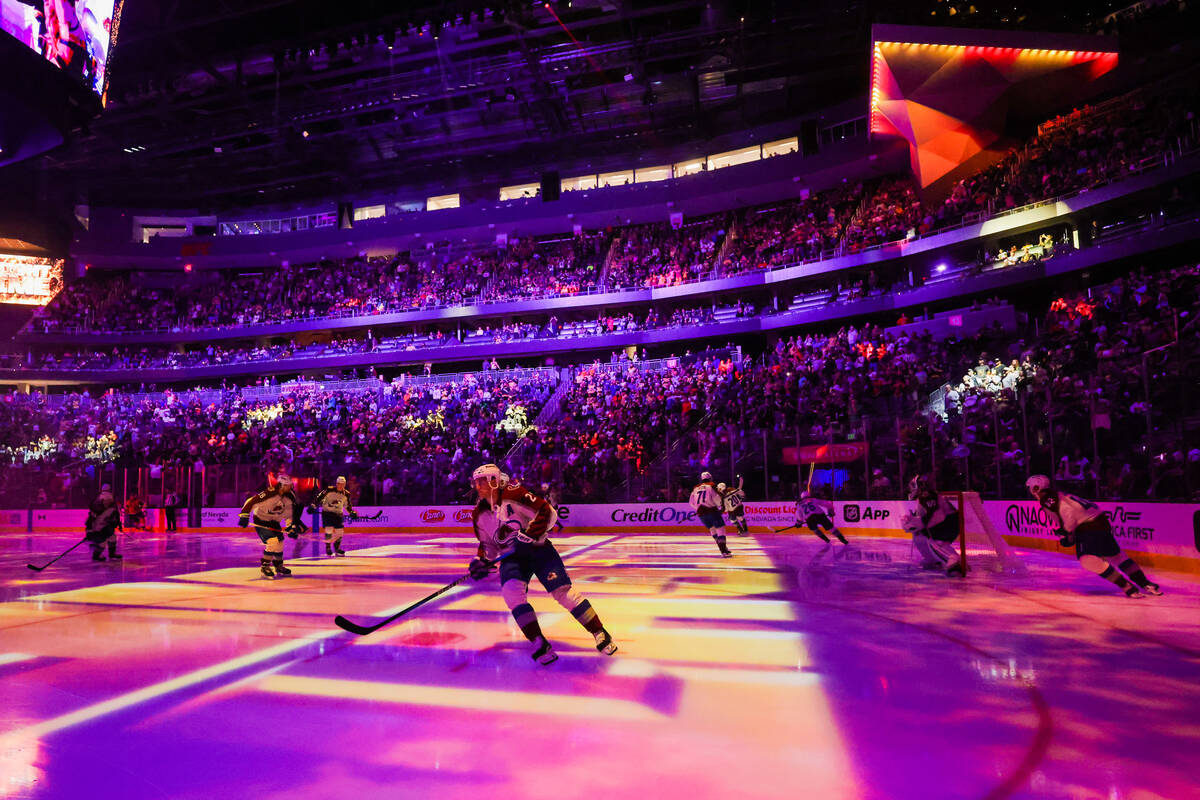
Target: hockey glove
x,y
479,569
1065,539
243,520
295,529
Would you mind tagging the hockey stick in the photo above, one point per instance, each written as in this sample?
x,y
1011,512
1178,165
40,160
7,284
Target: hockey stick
x,y
363,630
51,561
785,528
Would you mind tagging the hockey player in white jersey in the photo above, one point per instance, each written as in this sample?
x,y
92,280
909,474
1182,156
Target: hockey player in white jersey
x,y
934,526
817,515
1080,523
334,504
511,519
732,499
273,511
705,500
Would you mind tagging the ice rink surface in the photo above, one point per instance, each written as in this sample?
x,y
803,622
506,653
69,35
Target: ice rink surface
x,y
792,670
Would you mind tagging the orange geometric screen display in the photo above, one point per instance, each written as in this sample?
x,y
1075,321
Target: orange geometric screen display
x,y
950,101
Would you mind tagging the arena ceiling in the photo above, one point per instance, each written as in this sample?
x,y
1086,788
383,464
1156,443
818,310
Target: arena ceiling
x,y
222,104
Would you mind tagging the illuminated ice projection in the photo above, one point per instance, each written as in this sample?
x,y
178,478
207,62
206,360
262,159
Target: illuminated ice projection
x,y
792,670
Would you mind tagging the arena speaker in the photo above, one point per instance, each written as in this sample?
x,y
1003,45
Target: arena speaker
x,y
551,186
809,139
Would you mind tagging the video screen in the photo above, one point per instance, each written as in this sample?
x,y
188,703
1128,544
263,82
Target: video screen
x,y
74,35
29,280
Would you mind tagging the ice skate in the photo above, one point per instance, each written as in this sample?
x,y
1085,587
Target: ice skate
x,y
604,642
544,654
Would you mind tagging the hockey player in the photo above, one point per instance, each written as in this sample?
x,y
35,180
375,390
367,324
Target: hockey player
x,y
817,515
512,519
334,502
706,501
935,528
135,513
273,511
731,502
552,498
103,520
1081,523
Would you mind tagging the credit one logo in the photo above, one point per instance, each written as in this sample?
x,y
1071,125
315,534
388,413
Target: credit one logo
x,y
669,515
432,515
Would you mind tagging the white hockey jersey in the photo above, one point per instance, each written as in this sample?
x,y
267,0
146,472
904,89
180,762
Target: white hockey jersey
x,y
705,496
1069,510
517,511
733,499
813,505
269,506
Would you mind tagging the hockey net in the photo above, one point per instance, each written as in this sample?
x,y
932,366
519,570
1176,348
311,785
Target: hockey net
x,y
980,545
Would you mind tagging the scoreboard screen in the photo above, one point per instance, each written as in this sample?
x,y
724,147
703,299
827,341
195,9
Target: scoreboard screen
x,y
76,36
29,280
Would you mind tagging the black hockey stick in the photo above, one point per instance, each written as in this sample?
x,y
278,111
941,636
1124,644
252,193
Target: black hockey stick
x,y
785,528
375,516
60,555
363,630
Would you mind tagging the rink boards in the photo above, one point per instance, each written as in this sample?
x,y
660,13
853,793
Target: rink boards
x,y
1167,534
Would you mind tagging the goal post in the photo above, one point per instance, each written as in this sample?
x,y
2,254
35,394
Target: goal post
x,y
980,545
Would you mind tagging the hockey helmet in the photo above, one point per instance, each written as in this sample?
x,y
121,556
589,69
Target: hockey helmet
x,y
706,476
106,487
545,487
284,481
720,487
1037,484
918,483
805,495
340,479
490,473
